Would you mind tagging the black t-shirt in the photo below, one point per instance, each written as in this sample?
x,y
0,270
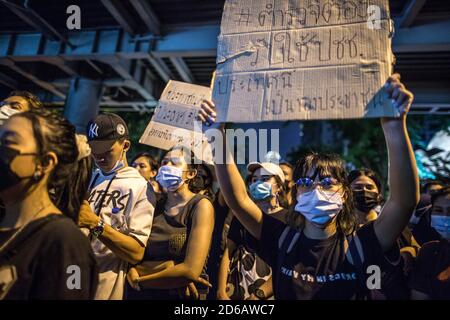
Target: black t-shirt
x,y
49,259
317,269
423,232
431,274
239,235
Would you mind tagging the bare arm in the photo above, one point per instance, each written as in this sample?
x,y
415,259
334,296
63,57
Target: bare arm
x,y
232,186
149,267
267,287
190,269
224,268
125,247
146,268
403,177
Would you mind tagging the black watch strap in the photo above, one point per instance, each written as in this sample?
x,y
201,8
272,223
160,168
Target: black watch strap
x,y
98,230
260,294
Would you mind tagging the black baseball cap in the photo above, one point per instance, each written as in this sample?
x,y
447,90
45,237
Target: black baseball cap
x,y
104,130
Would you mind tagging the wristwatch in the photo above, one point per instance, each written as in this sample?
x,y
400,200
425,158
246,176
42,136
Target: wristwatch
x,y
98,230
260,294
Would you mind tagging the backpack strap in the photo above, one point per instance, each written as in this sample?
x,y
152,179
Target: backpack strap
x,y
355,256
286,242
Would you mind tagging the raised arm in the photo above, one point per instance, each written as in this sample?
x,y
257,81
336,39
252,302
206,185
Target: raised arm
x,y
231,183
403,177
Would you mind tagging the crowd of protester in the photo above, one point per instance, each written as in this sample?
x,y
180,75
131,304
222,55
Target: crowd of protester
x,y
78,222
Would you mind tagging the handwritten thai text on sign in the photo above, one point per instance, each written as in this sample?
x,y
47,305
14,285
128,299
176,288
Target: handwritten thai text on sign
x,y
316,59
174,121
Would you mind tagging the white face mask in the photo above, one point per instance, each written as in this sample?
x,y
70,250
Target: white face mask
x,y
442,225
5,113
319,206
119,165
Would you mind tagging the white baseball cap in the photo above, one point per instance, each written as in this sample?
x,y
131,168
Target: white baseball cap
x,y
268,168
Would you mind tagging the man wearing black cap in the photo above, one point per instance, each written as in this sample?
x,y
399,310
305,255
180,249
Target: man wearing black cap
x,y
121,205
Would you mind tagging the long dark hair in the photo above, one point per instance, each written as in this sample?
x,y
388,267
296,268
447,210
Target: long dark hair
x,y
68,181
33,101
325,164
202,181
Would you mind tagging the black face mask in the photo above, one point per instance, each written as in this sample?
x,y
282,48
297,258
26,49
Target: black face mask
x,y
9,178
365,200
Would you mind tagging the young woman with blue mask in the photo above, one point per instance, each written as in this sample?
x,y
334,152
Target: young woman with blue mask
x,y
318,254
243,274
440,212
431,276
174,264
267,188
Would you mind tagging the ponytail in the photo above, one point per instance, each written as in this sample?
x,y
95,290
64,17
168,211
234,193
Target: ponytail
x,y
68,181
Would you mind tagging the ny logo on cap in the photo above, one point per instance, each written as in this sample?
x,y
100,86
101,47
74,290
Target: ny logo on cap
x,y
120,129
93,128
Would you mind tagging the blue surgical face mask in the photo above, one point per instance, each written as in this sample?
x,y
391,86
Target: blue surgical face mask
x,y
170,178
442,225
260,190
319,206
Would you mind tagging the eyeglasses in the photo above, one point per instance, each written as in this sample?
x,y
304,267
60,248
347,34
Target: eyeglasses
x,y
325,183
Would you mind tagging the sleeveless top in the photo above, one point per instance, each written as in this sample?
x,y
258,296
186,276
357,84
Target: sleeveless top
x,y
168,241
170,235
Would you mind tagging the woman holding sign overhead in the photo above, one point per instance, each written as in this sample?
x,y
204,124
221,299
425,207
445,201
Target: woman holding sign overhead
x,y
316,253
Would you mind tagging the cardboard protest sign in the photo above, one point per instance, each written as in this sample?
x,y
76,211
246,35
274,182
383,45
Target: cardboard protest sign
x,y
303,59
174,121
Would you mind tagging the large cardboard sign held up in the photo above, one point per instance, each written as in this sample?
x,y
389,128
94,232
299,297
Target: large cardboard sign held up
x,y
303,59
174,121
